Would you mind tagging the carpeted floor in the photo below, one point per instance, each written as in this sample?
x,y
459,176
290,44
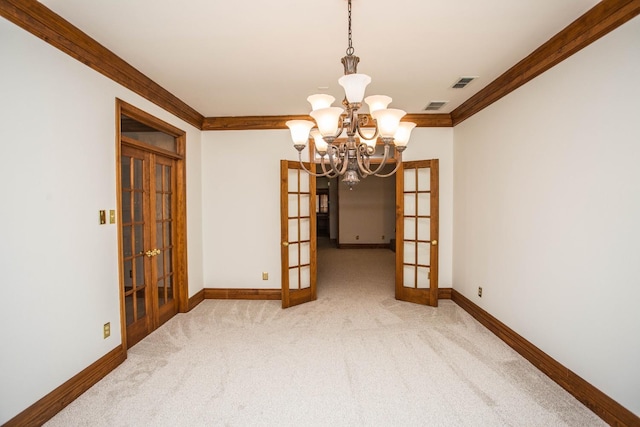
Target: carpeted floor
x,y
356,356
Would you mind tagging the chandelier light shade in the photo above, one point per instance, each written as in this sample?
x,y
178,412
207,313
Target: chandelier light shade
x,y
327,120
352,158
354,86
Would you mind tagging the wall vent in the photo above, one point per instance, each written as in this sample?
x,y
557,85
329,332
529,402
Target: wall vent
x,y
435,105
463,81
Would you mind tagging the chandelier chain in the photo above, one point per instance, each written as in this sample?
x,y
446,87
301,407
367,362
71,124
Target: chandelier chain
x,y
350,49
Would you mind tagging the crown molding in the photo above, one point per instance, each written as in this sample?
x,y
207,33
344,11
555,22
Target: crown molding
x,y
595,23
279,122
58,32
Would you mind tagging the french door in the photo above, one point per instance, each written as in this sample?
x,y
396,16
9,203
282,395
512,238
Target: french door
x,y
148,185
417,232
298,234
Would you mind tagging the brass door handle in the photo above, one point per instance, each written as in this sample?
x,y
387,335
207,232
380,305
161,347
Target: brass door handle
x,y
285,244
434,242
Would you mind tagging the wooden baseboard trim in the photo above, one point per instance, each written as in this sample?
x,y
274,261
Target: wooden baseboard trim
x,y
45,408
444,293
196,299
602,405
363,246
252,294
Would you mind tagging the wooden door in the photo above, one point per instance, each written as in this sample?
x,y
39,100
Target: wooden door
x,y
298,234
147,207
417,232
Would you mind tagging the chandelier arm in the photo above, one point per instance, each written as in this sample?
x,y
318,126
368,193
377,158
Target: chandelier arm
x,y
307,170
398,163
375,135
364,169
332,173
385,158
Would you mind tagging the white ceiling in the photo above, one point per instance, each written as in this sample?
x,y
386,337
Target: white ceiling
x,y
241,58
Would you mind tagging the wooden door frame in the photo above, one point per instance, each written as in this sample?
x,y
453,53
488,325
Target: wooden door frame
x,y
180,245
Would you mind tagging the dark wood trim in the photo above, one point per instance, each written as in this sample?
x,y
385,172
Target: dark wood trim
x,y
597,22
278,122
45,408
444,293
42,22
251,294
598,402
196,299
363,246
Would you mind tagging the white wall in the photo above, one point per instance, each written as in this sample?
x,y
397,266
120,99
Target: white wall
x,y
241,207
547,204
59,266
368,211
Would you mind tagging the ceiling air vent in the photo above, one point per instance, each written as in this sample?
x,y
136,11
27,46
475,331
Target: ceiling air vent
x,y
435,105
462,82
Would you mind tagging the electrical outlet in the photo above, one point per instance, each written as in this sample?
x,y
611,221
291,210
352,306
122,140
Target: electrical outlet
x,y
357,237
106,330
383,237
480,291
265,276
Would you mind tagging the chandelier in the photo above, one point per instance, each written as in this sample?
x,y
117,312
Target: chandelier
x,y
351,158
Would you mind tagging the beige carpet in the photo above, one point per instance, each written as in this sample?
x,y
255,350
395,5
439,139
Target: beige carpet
x,y
354,357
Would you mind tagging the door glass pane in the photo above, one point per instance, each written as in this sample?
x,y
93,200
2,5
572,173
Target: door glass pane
x,y
293,180
424,204
160,261
305,277
158,205
410,204
159,175
424,229
424,179
409,253
294,283
132,128
161,292
293,255
126,206
423,277
169,283
424,253
167,206
293,230
409,228
126,241
408,279
293,205
139,271
159,235
128,308
128,274
137,174
139,239
304,205
141,309
305,253
167,234
167,178
126,172
305,229
304,182
137,206
410,180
